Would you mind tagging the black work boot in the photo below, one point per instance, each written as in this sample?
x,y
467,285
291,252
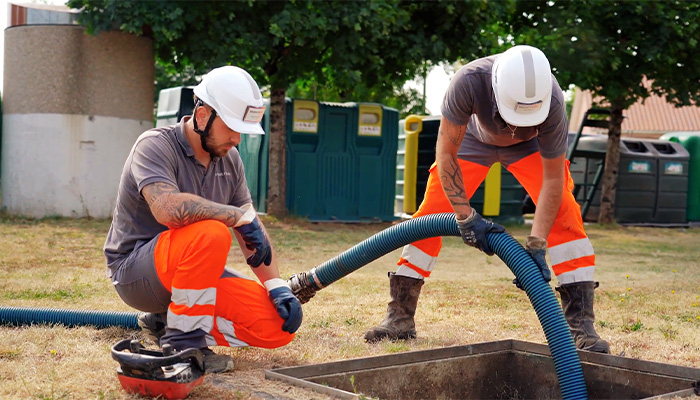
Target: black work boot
x,y
216,363
577,304
398,323
153,325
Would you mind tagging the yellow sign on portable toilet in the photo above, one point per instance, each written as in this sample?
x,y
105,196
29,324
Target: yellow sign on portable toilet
x,y
492,191
370,120
305,116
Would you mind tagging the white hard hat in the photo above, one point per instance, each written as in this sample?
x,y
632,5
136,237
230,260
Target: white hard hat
x,y
235,96
522,82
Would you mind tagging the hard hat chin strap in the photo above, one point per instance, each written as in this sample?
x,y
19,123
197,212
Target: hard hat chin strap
x,y
212,116
203,133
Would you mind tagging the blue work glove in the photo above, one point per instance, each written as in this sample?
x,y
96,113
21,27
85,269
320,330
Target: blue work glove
x,y
255,239
537,248
474,229
287,304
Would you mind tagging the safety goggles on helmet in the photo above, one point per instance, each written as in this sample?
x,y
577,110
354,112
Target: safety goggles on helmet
x,y
522,83
236,98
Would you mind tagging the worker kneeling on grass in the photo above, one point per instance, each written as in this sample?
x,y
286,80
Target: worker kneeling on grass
x,y
182,188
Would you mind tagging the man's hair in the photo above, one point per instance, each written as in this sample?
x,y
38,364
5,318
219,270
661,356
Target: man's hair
x,y
198,100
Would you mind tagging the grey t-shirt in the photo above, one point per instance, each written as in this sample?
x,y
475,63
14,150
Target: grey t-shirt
x,y
164,155
470,100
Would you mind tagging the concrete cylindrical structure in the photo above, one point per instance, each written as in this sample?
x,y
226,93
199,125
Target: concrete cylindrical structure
x,y
73,105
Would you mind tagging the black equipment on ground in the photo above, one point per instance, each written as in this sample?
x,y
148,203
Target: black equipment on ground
x,y
157,373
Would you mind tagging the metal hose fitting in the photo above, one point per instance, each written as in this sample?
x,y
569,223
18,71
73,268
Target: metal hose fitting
x,y
304,285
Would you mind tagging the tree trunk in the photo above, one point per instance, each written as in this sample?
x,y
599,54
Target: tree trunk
x,y
277,184
612,166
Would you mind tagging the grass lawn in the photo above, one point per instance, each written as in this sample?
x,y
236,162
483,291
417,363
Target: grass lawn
x,y
647,306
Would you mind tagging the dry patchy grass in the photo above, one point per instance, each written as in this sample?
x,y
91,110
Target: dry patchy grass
x,y
648,305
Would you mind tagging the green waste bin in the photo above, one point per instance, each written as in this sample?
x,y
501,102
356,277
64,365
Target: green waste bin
x,y
672,183
691,142
341,161
635,200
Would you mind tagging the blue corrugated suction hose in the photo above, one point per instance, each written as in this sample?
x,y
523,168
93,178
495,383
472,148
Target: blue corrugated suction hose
x,y
556,329
18,316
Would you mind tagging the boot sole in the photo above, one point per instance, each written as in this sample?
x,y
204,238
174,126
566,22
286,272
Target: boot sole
x,y
393,338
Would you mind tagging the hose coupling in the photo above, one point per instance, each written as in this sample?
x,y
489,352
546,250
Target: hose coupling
x,y
304,285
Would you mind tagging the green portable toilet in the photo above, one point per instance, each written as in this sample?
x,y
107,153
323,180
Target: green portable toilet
x,y
425,156
374,143
500,197
302,156
415,155
691,142
672,182
255,153
635,200
405,174
341,161
173,104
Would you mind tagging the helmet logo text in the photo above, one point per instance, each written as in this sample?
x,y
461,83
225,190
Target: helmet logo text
x,y
253,114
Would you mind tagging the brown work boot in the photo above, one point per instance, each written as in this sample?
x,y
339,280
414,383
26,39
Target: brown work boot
x,y
577,304
398,323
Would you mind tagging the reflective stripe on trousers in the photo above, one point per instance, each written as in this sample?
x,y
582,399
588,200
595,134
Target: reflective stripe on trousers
x,y
231,309
570,251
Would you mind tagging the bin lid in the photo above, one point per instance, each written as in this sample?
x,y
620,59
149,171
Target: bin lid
x,y
630,146
593,143
667,149
635,146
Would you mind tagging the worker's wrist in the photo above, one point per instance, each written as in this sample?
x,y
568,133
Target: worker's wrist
x,y
535,242
462,219
248,216
275,283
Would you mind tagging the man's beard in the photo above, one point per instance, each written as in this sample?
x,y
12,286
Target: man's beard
x,y
208,149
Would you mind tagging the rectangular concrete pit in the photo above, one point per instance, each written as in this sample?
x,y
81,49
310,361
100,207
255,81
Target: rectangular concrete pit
x,y
507,369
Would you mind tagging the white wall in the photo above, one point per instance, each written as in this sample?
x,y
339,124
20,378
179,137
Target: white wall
x,y
64,165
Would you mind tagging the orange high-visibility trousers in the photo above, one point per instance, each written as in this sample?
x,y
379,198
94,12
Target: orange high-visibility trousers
x,y
232,309
570,251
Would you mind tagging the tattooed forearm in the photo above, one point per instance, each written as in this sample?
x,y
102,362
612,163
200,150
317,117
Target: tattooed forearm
x,y
449,172
175,210
453,183
186,212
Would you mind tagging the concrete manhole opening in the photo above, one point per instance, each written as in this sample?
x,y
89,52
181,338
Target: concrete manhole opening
x,y
507,369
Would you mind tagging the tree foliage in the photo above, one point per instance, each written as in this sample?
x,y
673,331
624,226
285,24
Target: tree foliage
x,y
339,45
609,47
